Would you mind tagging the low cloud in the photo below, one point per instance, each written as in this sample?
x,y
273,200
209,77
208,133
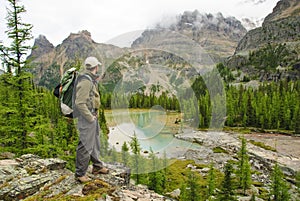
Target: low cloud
x,y
255,2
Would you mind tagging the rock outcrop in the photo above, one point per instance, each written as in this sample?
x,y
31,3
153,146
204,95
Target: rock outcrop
x,y
220,147
283,9
41,46
33,178
262,160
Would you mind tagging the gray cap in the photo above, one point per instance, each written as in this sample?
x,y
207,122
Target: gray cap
x,y
91,62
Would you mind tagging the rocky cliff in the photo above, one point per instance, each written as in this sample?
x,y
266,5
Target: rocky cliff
x,y
215,33
281,26
271,52
50,62
283,9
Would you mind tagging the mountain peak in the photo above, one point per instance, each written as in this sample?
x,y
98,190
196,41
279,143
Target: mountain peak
x,y
217,34
84,34
283,9
41,46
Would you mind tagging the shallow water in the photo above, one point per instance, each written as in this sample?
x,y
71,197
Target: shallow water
x,y
152,129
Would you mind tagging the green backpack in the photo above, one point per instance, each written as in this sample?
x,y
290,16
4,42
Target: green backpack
x,y
64,91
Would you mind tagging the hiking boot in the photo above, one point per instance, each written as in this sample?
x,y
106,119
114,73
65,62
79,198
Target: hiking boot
x,y
100,170
82,179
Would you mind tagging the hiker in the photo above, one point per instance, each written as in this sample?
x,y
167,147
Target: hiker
x,y
86,100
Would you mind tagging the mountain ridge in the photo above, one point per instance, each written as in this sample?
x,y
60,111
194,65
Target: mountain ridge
x,y
216,34
224,39
271,52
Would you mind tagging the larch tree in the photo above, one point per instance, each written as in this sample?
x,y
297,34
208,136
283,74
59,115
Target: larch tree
x,y
13,56
279,187
156,177
136,149
211,181
19,33
125,154
227,188
244,168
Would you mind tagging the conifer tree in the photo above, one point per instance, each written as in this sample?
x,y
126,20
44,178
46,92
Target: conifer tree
x,y
125,154
165,169
211,181
253,198
244,168
155,175
114,156
279,187
190,191
297,120
135,147
103,134
227,188
19,33
297,178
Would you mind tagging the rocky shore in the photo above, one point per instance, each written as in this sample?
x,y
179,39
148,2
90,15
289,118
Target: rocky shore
x,y
219,147
230,143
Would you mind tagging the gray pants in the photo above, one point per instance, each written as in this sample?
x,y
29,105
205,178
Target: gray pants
x,y
88,148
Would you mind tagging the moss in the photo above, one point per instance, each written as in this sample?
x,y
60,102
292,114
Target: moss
x,y
97,187
58,180
93,190
219,150
5,184
262,145
177,174
38,197
263,193
257,184
30,171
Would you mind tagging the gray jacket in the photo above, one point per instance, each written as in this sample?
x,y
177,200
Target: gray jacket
x,y
87,97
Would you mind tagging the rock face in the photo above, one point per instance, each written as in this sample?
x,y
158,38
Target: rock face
x,y
43,46
283,9
216,34
284,30
280,29
39,179
281,26
49,62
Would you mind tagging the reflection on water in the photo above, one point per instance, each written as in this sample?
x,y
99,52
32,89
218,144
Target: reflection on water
x,y
151,129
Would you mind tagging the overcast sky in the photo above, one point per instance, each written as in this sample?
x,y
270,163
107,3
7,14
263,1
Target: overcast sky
x,y
107,19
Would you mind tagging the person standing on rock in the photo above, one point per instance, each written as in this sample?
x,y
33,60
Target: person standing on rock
x,y
86,102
